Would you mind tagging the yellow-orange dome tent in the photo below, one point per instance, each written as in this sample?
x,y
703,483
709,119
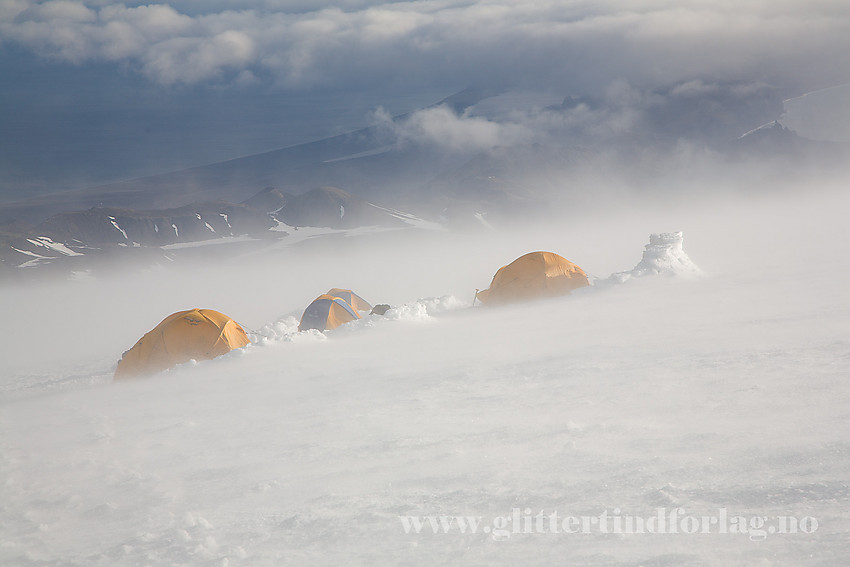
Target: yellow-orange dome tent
x,y
533,276
185,335
357,302
327,312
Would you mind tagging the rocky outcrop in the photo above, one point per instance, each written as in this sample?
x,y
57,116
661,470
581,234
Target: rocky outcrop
x,y
269,200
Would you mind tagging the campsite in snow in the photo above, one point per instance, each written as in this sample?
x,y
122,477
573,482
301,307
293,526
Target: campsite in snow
x,y
424,283
718,391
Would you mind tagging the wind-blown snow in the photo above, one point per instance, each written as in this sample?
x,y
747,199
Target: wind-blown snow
x,y
724,391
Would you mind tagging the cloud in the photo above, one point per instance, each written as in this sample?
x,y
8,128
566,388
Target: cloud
x,y
694,116
578,45
191,60
494,124
441,127
64,10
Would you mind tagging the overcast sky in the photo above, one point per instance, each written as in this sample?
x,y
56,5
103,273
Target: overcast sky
x,y
580,44
238,66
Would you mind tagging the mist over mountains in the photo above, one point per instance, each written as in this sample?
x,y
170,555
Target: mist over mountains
x,y
152,106
501,154
139,126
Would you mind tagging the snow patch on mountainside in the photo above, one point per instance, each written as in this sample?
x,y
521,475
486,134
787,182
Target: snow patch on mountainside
x,y
46,242
367,153
214,242
770,124
409,219
480,217
118,228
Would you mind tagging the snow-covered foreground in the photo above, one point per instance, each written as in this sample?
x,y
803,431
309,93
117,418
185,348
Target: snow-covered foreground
x,y
727,391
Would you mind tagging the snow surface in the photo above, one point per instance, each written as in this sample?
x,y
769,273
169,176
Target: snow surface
x,y
727,390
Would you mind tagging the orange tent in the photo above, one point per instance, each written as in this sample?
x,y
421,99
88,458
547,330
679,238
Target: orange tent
x,y
532,276
185,335
327,312
357,302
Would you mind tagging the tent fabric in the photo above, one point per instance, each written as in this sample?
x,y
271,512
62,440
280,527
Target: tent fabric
x,y
533,276
199,334
327,312
354,300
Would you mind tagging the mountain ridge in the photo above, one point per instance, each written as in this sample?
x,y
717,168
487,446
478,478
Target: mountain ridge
x,y
65,238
